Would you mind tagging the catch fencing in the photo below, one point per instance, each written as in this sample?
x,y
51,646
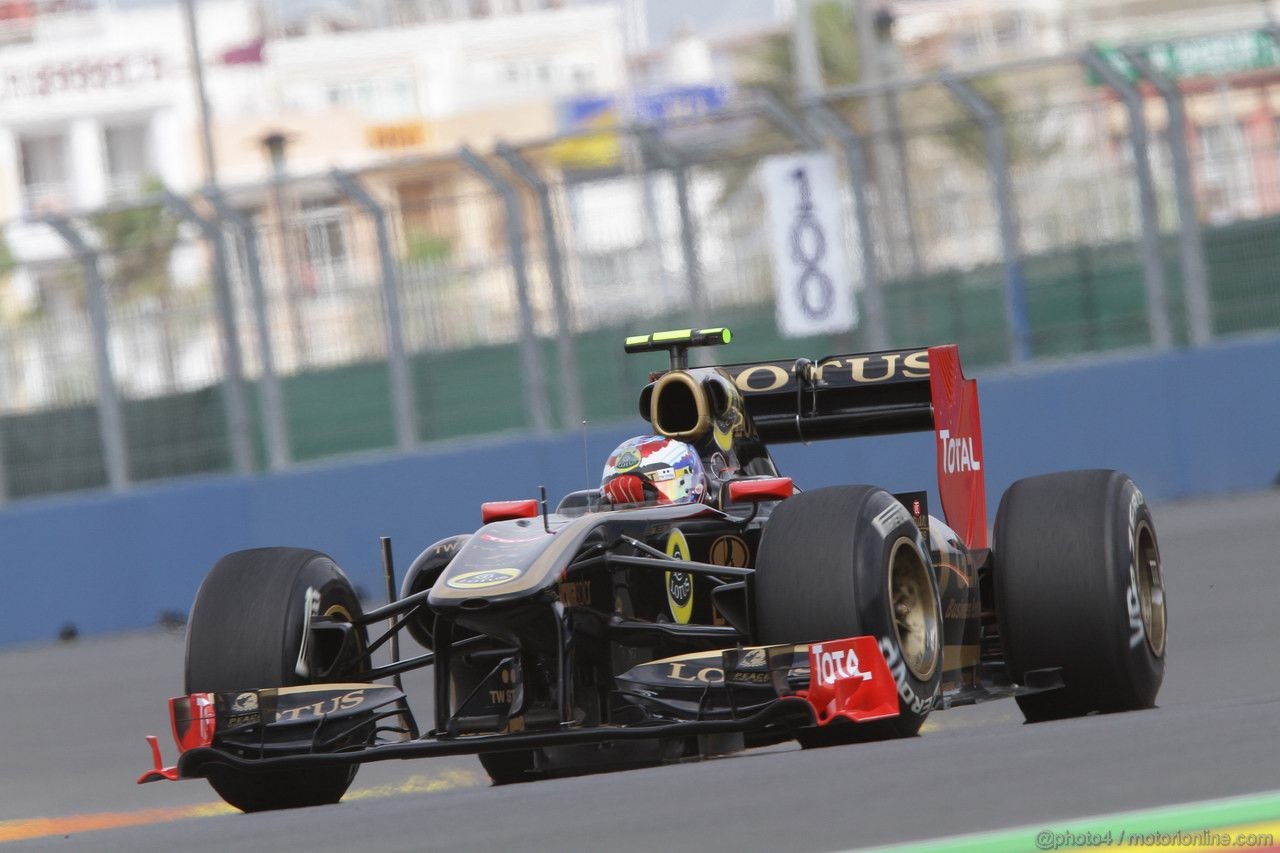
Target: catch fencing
x,y
1043,209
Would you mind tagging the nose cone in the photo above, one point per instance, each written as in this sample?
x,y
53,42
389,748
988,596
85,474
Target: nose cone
x,y
495,563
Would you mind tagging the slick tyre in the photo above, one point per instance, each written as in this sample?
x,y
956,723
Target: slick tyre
x,y
849,561
245,632
1079,587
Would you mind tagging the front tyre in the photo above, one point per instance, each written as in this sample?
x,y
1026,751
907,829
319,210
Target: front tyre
x,y
850,561
1079,587
246,632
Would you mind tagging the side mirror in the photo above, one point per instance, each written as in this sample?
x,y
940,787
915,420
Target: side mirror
x,y
763,489
507,510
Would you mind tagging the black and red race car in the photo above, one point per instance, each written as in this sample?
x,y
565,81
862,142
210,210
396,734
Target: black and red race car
x,y
606,634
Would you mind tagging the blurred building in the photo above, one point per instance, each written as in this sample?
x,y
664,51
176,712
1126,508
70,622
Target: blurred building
x,y
1112,21
967,33
397,102
95,100
97,106
353,98
1225,61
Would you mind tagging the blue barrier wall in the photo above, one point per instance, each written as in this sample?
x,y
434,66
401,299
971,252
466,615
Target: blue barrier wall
x,y
1189,423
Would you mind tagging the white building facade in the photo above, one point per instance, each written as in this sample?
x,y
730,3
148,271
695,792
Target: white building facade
x,y
95,104
91,113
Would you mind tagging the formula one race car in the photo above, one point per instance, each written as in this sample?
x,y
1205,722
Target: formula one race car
x,y
697,603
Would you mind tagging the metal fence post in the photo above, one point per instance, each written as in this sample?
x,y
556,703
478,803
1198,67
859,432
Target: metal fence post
x,y
855,161
115,452
998,162
1195,277
668,158
570,380
903,157
1152,264
238,427
785,118
403,411
279,453
535,379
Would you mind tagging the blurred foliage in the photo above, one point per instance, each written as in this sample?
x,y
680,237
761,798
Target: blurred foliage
x,y
427,249
772,66
11,312
929,108
139,241
7,261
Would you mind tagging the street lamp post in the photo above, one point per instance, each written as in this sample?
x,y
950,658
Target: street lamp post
x,y
276,144
202,97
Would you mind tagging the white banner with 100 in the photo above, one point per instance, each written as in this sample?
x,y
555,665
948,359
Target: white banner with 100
x,y
806,240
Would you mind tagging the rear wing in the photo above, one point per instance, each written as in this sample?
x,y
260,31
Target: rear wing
x,y
880,393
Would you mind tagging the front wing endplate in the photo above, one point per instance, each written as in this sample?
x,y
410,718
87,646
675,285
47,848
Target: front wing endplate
x,y
849,679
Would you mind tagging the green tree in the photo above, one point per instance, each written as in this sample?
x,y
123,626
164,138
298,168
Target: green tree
x,y
941,133
139,242
425,249
7,262
772,67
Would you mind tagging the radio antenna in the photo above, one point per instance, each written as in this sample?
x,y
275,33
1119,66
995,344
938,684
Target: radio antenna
x,y
586,462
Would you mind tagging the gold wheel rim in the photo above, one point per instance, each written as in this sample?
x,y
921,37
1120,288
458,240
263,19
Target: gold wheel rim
x,y
914,610
1150,584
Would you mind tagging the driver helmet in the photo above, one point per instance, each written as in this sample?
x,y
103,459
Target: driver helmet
x,y
650,469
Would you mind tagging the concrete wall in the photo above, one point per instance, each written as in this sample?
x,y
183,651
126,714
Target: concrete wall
x,y
1185,424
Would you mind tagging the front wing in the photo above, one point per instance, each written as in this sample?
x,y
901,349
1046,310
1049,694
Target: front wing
x,y
814,684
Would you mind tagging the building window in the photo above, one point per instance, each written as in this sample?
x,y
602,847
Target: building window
x,y
1275,140
1227,186
969,43
46,178
128,150
389,97
1011,30
325,238
439,10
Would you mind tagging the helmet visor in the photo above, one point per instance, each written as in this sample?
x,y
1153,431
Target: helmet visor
x,y
673,484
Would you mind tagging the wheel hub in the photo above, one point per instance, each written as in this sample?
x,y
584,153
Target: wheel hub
x,y
1150,588
916,616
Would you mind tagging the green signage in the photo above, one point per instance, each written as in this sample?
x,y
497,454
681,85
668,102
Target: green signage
x,y
1202,56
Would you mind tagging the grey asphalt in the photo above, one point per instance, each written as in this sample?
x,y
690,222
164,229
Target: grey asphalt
x,y
74,716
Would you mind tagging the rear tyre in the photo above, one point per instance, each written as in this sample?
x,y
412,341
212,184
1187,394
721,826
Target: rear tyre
x,y
1079,586
245,632
849,561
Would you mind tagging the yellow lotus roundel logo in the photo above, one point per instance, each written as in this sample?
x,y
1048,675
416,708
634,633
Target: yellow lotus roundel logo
x,y
482,579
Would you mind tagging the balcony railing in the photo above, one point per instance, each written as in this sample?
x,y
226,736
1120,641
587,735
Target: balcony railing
x,y
46,198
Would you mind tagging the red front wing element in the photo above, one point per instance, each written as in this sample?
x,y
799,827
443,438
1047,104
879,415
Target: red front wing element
x,y
850,679
193,721
958,430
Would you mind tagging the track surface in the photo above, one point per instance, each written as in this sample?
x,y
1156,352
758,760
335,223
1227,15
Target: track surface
x,y
73,719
